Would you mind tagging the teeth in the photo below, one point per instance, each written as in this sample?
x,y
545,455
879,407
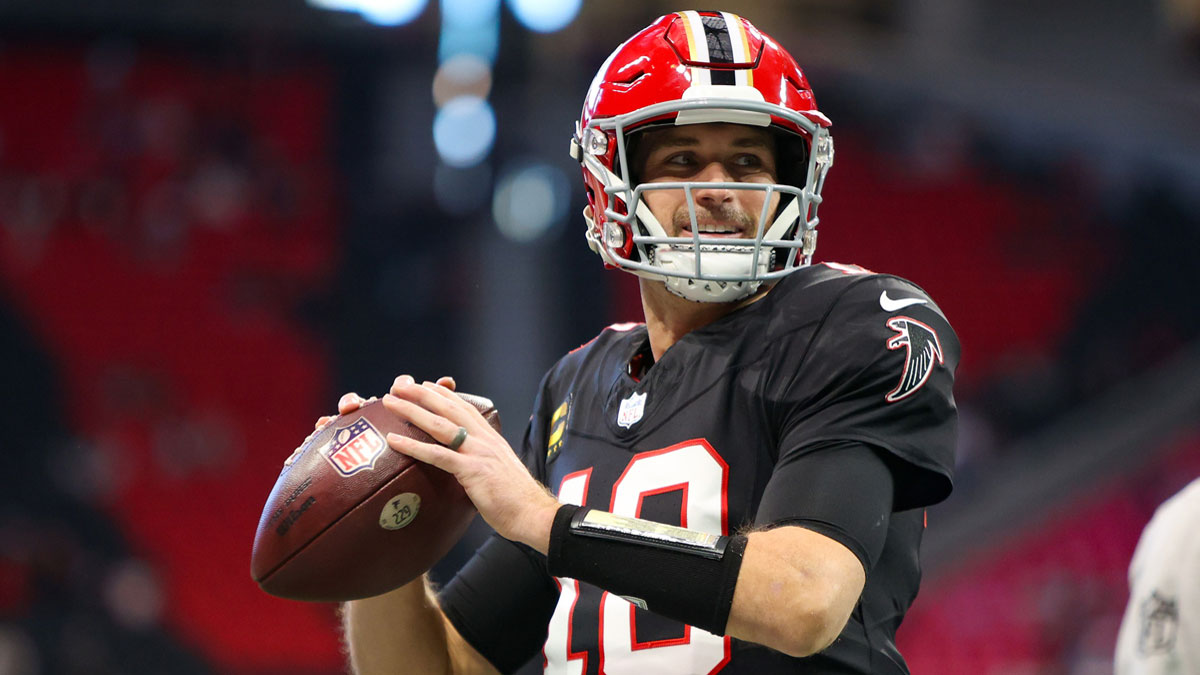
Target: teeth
x,y
714,229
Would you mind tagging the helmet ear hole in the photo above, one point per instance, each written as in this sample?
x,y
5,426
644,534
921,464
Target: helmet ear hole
x,y
636,162
791,157
634,144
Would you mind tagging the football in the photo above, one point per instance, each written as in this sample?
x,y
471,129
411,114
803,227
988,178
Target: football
x,y
351,518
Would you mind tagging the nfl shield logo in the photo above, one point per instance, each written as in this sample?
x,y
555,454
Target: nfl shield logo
x,y
631,410
355,448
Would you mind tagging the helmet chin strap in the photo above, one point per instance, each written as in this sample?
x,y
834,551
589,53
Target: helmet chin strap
x,y
712,263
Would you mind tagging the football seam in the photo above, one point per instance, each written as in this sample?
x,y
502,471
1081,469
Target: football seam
x,y
323,530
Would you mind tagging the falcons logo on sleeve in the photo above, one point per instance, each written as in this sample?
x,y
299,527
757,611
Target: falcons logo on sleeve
x,y
923,349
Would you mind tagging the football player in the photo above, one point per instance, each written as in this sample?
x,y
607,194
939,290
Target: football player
x,y
1160,632
735,485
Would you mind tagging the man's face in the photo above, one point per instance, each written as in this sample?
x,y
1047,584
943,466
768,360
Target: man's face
x,y
708,153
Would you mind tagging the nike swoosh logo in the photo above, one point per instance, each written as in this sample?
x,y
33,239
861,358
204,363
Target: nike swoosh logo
x,y
890,305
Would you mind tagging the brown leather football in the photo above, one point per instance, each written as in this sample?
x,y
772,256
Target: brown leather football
x,y
351,518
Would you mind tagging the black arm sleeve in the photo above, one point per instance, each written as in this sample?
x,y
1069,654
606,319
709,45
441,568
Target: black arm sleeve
x,y
841,489
501,602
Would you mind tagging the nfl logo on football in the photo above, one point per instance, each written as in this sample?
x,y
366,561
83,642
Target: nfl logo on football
x,y
631,410
355,448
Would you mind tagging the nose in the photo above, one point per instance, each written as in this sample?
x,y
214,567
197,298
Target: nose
x,y
714,172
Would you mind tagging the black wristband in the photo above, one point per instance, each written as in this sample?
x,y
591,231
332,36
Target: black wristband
x,y
681,574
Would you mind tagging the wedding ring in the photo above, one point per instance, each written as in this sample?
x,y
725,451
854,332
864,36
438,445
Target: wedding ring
x,y
458,439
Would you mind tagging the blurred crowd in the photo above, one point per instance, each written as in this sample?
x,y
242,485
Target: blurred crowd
x,y
159,218
1048,600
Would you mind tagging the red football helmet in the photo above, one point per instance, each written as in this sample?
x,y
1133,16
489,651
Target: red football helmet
x,y
694,68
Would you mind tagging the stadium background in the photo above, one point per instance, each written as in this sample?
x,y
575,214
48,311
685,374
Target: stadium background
x,y
216,217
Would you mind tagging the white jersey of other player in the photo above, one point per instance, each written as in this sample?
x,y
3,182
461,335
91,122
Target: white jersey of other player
x,y
1160,632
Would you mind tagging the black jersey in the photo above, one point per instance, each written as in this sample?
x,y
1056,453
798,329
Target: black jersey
x,y
832,355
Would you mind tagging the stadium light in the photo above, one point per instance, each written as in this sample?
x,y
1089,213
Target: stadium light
x,y
378,12
545,16
464,130
529,200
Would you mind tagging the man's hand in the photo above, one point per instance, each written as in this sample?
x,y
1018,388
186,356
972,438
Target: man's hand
x,y
507,496
348,403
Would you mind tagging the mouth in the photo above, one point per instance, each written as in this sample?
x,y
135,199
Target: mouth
x,y
715,230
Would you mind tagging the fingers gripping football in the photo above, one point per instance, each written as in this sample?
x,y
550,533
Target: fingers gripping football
x,y
506,495
432,422
348,403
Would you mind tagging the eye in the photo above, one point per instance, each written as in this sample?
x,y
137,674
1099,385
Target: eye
x,y
752,163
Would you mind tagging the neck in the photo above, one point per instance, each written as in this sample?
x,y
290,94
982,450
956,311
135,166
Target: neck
x,y
670,317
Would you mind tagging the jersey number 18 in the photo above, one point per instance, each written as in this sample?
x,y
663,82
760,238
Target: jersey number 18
x,y
694,468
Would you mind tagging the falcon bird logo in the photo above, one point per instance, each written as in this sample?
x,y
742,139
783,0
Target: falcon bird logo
x,y
924,349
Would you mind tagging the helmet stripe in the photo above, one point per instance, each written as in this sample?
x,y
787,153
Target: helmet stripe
x,y
697,46
687,29
716,35
737,42
698,37
723,77
740,42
